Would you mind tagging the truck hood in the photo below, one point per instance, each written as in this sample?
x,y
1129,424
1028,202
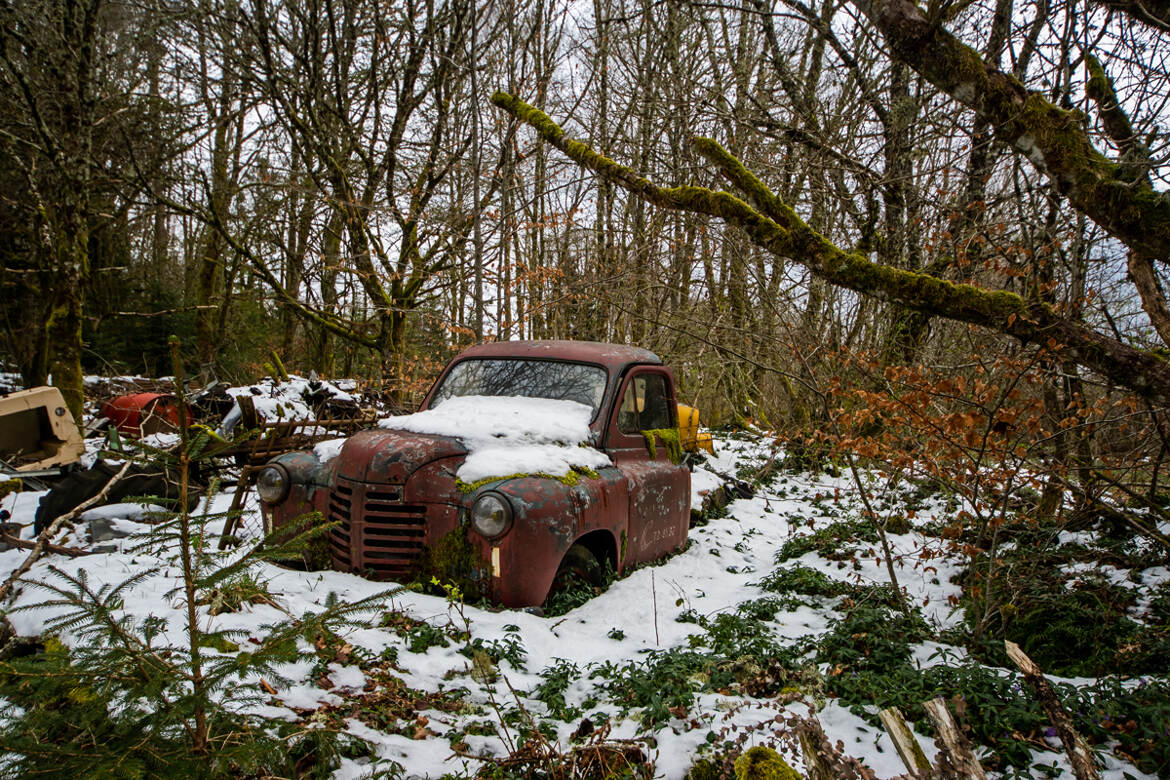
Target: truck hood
x,y
391,456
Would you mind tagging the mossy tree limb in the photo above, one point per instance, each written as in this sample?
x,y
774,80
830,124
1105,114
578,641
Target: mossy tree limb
x,y
773,225
1053,139
1135,166
1155,13
1135,157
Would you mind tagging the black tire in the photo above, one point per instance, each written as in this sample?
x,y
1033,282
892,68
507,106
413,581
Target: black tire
x,y
579,565
81,485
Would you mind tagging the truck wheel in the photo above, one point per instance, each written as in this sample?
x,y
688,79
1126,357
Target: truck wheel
x,y
579,566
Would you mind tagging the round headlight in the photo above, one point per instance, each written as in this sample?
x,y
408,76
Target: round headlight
x,y
272,484
491,514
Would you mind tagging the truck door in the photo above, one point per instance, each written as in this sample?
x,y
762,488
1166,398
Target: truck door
x,y
659,489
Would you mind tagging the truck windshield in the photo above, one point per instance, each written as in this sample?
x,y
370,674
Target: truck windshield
x,y
578,382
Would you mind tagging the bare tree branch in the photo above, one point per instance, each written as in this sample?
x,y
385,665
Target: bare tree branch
x,y
1052,138
1155,13
774,226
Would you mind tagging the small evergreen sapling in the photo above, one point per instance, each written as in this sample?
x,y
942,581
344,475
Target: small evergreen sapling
x,y
122,701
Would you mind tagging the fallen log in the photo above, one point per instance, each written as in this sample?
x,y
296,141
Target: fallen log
x,y
905,744
952,744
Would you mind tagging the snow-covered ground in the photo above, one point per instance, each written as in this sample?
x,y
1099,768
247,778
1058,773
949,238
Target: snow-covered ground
x,y
720,570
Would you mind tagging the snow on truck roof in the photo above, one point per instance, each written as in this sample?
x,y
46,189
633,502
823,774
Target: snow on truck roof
x,y
614,357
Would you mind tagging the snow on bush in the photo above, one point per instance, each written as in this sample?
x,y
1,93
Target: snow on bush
x,y
277,401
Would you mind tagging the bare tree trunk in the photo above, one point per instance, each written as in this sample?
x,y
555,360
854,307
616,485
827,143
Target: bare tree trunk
x,y
906,329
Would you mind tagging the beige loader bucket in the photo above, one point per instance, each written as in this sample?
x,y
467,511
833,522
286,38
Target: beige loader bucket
x,y
37,431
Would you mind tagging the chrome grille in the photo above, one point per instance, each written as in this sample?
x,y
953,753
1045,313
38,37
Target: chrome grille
x,y
376,533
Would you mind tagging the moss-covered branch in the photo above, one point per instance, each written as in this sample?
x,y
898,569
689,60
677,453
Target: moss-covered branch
x,y
1155,13
1135,159
774,226
1053,139
1134,168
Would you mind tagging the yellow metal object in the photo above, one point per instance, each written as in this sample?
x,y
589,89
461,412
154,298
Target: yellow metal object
x,y
688,428
208,431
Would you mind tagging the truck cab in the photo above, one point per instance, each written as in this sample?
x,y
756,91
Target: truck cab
x,y
396,493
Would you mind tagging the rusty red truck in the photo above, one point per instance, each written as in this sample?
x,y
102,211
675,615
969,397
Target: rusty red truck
x,y
538,455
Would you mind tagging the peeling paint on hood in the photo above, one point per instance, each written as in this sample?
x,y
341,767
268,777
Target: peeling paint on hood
x,y
392,456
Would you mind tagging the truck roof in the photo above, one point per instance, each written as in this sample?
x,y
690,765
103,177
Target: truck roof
x,y
614,357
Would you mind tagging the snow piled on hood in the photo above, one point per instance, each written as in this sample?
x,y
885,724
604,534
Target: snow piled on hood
x,y
329,449
507,435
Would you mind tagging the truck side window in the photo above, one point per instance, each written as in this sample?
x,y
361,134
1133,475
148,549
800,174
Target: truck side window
x,y
645,405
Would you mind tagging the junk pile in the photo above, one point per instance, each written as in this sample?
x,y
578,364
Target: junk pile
x,y
43,447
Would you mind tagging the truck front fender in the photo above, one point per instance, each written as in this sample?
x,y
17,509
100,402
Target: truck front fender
x,y
549,516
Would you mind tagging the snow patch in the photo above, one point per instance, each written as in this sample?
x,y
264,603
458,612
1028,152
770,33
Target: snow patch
x,y
327,450
135,514
639,613
278,401
703,482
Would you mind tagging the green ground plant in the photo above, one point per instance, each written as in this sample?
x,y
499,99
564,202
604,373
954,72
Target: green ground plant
x,y
868,655
734,652
452,562
577,590
1072,623
836,542
509,648
237,593
555,681
1159,612
800,580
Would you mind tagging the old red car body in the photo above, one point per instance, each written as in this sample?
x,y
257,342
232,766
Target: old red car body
x,y
142,414
394,493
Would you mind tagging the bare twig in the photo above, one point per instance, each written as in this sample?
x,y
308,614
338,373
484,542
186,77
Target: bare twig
x,y
29,544
160,313
654,598
880,527
42,542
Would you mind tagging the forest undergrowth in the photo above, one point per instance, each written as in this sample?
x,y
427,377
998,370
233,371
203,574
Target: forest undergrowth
x,y
174,656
